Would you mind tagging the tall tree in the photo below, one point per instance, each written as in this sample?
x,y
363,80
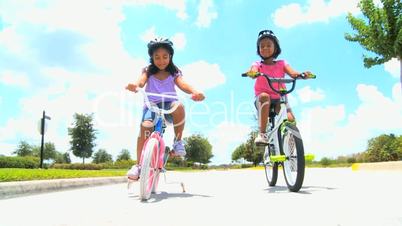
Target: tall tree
x,y
380,33
23,149
124,155
82,136
101,156
198,149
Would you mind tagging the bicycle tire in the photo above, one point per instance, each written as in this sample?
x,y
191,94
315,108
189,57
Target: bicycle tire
x,y
148,166
270,168
294,165
156,181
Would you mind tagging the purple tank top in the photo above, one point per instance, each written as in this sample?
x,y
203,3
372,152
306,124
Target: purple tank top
x,y
166,87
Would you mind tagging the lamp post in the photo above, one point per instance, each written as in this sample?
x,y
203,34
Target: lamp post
x,y
42,132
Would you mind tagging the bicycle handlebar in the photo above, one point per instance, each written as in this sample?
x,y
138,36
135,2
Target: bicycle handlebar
x,y
152,107
279,80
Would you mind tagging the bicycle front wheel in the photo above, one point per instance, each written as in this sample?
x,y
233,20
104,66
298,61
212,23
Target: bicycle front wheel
x,y
293,166
271,168
149,168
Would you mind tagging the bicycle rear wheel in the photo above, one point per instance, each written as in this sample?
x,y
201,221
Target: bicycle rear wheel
x,y
271,168
293,166
149,167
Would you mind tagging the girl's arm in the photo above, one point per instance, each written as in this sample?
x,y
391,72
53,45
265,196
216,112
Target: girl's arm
x,y
142,80
292,73
197,96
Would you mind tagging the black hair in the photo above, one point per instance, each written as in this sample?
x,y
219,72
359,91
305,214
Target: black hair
x,y
152,68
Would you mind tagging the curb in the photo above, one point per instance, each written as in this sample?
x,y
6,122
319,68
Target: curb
x,y
394,165
24,188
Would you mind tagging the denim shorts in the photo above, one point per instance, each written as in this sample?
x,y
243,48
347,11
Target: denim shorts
x,y
148,115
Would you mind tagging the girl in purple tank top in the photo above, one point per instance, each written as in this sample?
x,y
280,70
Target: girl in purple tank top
x,y
162,76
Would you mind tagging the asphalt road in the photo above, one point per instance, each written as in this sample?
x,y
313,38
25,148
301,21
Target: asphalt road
x,y
235,197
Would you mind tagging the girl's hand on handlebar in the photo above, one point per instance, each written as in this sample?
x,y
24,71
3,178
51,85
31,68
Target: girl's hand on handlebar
x,y
197,96
307,75
132,87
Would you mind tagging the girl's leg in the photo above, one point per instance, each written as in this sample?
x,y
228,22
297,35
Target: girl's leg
x,y
145,131
263,106
178,120
291,117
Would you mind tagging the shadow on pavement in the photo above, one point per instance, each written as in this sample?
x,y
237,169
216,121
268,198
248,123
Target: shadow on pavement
x,y
164,195
307,190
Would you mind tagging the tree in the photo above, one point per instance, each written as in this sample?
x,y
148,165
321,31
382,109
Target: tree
x,y
383,148
101,156
239,152
198,149
253,153
124,155
249,151
62,157
82,136
49,151
23,149
381,34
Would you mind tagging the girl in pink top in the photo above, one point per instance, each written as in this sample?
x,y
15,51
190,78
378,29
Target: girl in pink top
x,y
161,76
268,49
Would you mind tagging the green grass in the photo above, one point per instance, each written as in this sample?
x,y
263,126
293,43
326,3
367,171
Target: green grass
x,y
10,174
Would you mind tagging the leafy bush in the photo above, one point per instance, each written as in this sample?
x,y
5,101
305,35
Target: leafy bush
x,y
78,166
121,164
19,162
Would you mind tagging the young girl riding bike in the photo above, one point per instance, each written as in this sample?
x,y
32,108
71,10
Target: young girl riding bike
x,y
160,77
268,49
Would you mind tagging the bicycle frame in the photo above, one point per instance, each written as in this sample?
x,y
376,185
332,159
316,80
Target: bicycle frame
x,y
279,118
153,157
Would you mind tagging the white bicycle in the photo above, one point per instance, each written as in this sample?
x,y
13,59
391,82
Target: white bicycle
x,y
285,144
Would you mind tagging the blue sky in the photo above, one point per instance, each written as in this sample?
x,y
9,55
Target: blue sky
x,y
69,56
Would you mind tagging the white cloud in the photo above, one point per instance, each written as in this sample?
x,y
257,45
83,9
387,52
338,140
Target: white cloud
x,y
116,111
7,149
12,78
149,34
179,41
328,131
306,94
224,138
393,67
176,5
294,14
206,13
202,75
12,41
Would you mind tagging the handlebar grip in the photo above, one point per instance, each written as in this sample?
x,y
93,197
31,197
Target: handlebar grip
x,y
313,76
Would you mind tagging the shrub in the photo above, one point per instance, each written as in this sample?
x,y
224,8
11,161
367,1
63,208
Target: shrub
x,y
78,166
19,162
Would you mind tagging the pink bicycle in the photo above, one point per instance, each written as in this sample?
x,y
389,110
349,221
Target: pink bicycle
x,y
154,155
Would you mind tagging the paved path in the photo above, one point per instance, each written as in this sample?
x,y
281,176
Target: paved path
x,y
234,197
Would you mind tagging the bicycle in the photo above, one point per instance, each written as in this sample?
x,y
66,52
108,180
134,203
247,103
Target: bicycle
x,y
285,144
154,155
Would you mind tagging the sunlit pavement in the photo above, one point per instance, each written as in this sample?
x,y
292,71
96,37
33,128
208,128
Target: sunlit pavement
x,y
233,197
